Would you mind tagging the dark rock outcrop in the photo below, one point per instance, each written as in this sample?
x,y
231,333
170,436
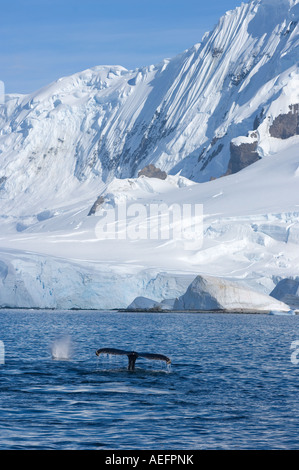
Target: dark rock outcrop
x,y
217,52
286,125
152,172
96,205
242,156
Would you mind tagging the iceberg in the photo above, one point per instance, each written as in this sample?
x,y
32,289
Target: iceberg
x,y
278,313
142,303
287,291
207,293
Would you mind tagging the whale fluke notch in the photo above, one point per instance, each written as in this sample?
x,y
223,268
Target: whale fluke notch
x,y
132,356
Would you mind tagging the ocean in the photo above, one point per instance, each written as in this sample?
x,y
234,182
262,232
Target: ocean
x,y
233,382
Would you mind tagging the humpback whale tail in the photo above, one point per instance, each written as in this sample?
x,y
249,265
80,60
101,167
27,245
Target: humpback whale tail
x,y
132,356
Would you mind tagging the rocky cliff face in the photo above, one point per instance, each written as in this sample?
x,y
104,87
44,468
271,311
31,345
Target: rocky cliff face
x,y
242,156
152,172
286,125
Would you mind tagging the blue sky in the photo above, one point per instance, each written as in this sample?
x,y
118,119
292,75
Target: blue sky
x,y
42,40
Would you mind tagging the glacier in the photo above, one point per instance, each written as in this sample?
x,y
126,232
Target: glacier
x,y
221,119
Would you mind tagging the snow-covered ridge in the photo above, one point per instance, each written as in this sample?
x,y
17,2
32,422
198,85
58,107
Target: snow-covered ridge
x,y
181,114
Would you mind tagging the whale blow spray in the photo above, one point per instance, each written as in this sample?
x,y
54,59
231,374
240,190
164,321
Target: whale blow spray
x,y
61,349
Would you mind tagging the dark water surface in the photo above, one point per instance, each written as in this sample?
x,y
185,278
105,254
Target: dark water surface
x,y
231,384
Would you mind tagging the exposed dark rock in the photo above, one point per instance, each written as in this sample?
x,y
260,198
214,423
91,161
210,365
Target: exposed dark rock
x,y
237,78
217,52
96,205
242,156
202,154
286,125
290,28
214,141
152,172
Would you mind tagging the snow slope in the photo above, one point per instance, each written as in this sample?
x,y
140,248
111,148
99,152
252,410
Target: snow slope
x,y
89,134
250,235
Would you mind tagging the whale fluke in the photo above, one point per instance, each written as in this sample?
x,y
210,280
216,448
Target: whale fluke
x,y
155,357
116,352
132,356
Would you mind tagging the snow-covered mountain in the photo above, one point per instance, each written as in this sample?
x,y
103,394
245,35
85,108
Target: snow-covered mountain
x,y
229,103
181,114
